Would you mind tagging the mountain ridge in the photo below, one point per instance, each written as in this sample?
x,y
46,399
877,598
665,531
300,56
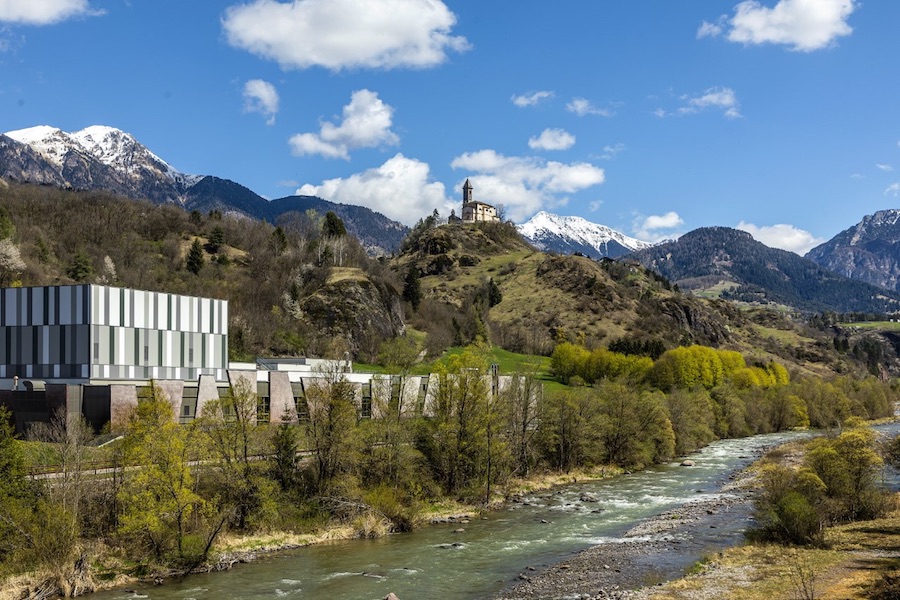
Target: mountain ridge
x,y
100,157
868,251
721,258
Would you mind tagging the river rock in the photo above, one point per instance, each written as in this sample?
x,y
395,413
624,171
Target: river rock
x,y
391,596
688,463
588,497
460,530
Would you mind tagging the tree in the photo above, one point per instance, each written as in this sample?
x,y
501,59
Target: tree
x,y
283,462
158,495
459,438
81,267
216,238
195,258
331,429
412,290
279,241
333,226
11,263
231,425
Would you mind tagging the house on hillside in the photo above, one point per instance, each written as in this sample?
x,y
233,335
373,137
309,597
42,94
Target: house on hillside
x,y
474,211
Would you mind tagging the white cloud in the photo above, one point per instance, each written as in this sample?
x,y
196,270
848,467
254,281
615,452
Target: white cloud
x,y
367,124
885,168
341,34
44,12
401,189
708,29
612,151
531,98
525,185
595,205
783,236
261,97
893,189
583,107
804,25
715,97
857,176
552,139
654,228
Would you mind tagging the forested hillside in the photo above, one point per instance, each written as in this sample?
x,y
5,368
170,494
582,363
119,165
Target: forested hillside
x,y
296,288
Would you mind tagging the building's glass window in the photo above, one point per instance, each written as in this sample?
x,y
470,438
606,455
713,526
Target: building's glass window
x,y
302,409
365,409
262,409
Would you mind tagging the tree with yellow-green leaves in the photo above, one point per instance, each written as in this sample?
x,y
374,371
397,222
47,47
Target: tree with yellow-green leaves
x,y
161,510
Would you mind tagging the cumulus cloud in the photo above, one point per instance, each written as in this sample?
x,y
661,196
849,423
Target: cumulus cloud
x,y
552,139
783,236
401,189
341,34
44,12
804,25
531,98
715,97
261,97
657,228
893,189
366,124
708,29
524,185
583,107
883,167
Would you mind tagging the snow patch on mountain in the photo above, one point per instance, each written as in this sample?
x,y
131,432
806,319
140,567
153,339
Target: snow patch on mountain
x,y
556,233
108,145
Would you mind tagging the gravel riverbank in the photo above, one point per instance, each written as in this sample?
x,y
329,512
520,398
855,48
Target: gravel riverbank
x,y
656,550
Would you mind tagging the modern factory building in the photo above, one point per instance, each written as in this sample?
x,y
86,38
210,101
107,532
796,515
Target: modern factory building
x,y
91,350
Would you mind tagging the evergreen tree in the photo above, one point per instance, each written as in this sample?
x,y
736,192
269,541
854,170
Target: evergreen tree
x,y
412,290
80,268
333,226
195,258
216,238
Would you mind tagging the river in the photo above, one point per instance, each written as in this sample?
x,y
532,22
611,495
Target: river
x,y
437,562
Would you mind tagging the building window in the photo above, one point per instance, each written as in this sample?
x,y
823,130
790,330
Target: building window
x,y
301,408
96,350
186,410
365,409
191,356
146,353
262,410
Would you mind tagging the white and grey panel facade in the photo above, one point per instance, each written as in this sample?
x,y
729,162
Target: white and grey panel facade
x,y
95,333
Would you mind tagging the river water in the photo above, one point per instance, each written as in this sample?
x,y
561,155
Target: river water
x,y
437,562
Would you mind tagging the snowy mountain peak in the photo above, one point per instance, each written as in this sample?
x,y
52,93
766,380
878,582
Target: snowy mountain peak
x,y
563,234
108,145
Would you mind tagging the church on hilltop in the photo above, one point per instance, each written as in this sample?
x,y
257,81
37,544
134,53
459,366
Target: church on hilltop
x,y
474,211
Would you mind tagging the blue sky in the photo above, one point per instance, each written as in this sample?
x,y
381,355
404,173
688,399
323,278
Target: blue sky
x,y
780,117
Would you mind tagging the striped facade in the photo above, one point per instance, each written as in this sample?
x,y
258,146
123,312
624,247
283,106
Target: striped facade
x,y
95,332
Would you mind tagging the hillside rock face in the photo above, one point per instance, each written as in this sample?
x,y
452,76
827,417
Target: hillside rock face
x,y
358,310
568,235
869,251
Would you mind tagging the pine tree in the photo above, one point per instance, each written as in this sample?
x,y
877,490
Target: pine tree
x,y
412,290
195,258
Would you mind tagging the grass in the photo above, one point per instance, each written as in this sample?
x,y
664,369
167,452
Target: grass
x,y
857,556
873,325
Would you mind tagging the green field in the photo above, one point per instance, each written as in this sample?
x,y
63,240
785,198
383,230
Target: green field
x,y
873,325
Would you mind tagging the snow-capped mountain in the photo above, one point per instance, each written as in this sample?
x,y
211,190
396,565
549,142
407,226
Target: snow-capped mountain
x,y
567,235
108,159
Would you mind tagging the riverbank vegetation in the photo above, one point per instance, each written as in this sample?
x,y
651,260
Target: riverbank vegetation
x,y
826,527
178,498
